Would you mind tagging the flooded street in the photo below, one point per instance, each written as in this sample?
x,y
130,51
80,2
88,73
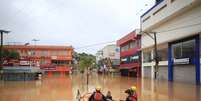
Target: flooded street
x,y
65,89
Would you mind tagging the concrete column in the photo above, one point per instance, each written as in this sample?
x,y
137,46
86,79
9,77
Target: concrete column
x,y
152,72
142,67
152,66
197,56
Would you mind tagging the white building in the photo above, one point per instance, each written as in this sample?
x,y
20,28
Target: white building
x,y
99,56
109,51
178,27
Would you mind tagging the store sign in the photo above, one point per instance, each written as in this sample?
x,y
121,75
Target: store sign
x,y
135,57
125,59
54,57
24,63
61,58
182,61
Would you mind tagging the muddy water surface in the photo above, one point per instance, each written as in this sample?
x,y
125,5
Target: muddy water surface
x,y
65,89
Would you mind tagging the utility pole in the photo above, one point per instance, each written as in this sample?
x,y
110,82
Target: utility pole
x,y
155,52
1,48
87,78
156,56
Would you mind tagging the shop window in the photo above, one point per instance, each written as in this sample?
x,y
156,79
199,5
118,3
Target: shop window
x,y
133,44
125,60
43,61
184,49
135,58
43,53
54,53
162,54
147,56
31,53
124,48
60,62
63,53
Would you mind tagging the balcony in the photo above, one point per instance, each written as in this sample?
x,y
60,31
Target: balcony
x,y
163,11
130,52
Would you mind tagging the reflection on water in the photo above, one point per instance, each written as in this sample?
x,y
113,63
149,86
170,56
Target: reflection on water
x,y
65,89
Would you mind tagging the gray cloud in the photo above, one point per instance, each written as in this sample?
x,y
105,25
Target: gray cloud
x,y
75,22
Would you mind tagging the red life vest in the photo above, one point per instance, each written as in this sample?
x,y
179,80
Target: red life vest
x,y
98,96
133,98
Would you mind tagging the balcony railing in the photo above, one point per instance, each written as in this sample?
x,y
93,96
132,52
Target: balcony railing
x,y
151,8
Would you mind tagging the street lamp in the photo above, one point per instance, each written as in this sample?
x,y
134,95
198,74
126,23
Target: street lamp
x,y
35,40
1,48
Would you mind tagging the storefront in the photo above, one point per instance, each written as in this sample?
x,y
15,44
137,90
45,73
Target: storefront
x,y
130,65
184,60
130,54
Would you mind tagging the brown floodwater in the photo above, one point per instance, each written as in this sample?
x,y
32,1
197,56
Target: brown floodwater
x,y
65,88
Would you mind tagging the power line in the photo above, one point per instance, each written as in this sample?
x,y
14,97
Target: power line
x,y
92,45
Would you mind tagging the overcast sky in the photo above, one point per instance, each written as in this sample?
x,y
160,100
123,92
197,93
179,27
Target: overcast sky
x,y
70,22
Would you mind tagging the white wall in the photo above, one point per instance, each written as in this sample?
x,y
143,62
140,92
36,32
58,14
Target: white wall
x,y
110,51
172,9
188,18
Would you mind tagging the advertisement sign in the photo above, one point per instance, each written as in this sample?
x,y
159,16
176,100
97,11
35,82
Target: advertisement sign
x,y
124,59
135,57
182,61
61,58
24,63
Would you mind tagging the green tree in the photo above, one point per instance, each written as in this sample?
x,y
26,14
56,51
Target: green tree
x,y
5,54
14,55
86,61
11,55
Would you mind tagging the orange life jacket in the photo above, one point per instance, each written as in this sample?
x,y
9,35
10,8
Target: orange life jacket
x,y
98,96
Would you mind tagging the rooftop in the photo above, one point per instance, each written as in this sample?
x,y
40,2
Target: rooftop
x,y
131,36
38,47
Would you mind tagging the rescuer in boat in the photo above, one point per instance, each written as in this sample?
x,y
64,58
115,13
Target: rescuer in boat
x,y
109,96
132,94
97,95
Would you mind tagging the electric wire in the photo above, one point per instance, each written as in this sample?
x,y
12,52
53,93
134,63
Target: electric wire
x,y
96,44
177,28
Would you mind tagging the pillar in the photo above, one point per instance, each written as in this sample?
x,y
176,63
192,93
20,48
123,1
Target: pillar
x,y
197,59
170,63
142,70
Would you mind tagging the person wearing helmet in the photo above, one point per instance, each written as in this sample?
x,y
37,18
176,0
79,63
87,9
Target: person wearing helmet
x,y
97,95
132,94
109,96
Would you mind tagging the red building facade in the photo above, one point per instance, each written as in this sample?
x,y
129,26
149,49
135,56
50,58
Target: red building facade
x,y
130,56
49,58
